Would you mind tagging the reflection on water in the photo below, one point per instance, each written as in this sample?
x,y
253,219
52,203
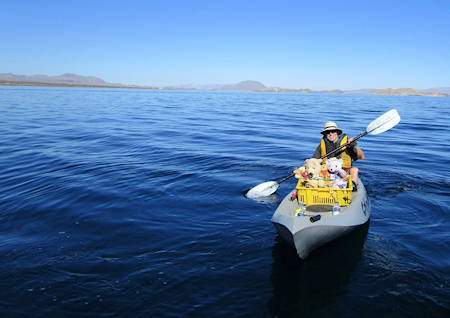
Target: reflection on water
x,y
273,198
312,287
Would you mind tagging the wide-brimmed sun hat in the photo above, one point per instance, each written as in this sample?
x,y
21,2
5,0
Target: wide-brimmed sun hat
x,y
330,126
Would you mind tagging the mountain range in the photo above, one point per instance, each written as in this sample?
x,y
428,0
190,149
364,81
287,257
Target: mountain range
x,y
70,79
66,79
256,86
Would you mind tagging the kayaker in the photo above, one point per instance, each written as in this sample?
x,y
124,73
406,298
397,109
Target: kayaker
x,y
332,139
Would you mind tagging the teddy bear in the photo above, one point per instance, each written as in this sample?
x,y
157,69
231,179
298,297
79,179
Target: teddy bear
x,y
337,174
300,173
325,175
309,173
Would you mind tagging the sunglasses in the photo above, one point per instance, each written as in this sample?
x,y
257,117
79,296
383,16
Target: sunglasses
x,y
331,132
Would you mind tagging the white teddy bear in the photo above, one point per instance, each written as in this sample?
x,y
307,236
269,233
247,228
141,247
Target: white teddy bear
x,y
337,174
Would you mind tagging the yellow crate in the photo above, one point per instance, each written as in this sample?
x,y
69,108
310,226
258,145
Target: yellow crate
x,y
324,196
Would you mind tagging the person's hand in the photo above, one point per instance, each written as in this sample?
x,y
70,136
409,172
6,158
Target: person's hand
x,y
351,145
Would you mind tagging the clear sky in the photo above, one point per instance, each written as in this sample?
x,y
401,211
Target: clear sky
x,y
290,44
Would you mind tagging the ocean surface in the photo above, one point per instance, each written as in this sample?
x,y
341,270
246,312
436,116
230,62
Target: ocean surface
x,y
129,203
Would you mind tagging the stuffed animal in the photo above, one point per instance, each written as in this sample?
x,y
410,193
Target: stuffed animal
x,y
300,173
325,175
309,174
337,174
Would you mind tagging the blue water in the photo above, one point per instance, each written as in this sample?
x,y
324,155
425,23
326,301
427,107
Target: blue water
x,y
128,203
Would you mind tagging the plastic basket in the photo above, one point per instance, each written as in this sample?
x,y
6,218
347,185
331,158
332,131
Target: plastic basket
x,y
324,196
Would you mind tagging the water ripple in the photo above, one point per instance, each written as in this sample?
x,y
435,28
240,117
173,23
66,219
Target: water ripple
x,y
129,202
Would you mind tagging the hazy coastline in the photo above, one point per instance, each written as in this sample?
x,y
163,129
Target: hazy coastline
x,y
74,80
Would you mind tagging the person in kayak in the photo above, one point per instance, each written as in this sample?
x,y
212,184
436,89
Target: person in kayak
x,y
332,139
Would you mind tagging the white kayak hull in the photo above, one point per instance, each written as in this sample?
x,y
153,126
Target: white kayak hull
x,y
307,235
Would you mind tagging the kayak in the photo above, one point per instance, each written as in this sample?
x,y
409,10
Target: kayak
x,y
308,219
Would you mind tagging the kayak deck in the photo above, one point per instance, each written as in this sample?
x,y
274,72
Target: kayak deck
x,y
315,225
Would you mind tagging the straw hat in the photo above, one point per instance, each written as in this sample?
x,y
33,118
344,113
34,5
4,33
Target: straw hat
x,y
331,125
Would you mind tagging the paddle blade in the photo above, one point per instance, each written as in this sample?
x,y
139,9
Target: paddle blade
x,y
262,190
384,122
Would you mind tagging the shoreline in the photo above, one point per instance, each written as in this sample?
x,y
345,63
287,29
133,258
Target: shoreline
x,y
382,92
4,83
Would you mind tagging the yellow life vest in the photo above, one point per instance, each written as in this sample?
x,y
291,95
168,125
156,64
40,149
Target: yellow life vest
x,y
344,156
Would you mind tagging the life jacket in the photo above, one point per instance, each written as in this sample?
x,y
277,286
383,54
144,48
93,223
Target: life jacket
x,y
343,155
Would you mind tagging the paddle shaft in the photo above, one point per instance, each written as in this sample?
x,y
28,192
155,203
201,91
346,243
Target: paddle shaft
x,y
326,155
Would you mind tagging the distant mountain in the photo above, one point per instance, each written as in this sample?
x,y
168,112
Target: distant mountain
x,y
443,90
305,91
358,91
403,92
333,91
66,78
245,86
255,86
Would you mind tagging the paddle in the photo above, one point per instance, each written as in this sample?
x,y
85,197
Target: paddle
x,y
377,126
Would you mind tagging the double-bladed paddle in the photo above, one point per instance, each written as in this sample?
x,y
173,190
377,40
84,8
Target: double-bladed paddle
x,y
377,126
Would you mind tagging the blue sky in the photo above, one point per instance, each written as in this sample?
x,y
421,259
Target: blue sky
x,y
290,44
